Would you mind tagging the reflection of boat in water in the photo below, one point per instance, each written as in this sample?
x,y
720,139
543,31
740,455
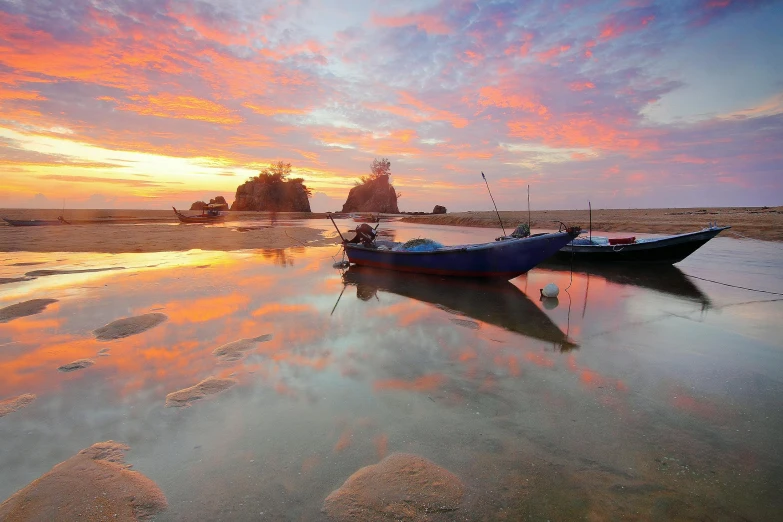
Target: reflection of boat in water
x,y
494,302
35,222
662,250
209,214
667,279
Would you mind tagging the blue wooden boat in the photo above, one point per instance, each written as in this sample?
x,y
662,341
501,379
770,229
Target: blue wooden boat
x,y
35,222
663,250
504,258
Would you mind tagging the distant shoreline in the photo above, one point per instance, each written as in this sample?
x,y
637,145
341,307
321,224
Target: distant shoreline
x,y
162,232
764,223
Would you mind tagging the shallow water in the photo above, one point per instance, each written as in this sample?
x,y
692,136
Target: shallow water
x,y
638,395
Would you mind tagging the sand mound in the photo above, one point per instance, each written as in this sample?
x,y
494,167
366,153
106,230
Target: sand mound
x,y
209,386
400,487
94,484
15,403
236,350
32,307
128,326
76,365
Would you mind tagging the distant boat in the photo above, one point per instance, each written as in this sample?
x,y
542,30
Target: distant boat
x,y
366,219
501,259
209,214
36,222
665,250
494,302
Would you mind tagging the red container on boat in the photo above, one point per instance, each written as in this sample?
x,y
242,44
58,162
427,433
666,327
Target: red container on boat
x,y
621,240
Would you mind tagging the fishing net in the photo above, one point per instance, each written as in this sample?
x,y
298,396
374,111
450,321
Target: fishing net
x,y
419,245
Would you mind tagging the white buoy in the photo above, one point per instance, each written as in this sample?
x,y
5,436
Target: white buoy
x,y
550,290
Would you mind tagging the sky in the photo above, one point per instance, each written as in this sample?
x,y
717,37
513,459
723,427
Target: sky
x,y
626,104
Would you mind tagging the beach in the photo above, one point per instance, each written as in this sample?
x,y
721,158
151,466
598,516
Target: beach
x,y
765,223
117,231
249,375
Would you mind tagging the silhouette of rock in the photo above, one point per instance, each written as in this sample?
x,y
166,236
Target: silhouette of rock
x,y
128,326
400,487
439,209
272,195
94,484
200,205
374,195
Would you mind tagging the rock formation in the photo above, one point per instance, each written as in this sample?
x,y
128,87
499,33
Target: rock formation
x,y
373,195
439,209
200,205
272,195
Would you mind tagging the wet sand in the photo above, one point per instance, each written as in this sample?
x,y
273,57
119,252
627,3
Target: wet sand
x,y
753,222
23,309
237,350
76,365
94,484
400,487
15,403
209,386
128,326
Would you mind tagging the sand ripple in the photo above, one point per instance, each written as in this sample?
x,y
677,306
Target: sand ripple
x,y
15,403
128,326
23,309
400,487
209,386
236,350
94,484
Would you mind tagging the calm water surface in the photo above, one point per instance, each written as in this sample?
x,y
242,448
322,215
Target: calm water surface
x,y
646,395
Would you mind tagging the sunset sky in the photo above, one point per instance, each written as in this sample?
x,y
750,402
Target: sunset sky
x,y
628,104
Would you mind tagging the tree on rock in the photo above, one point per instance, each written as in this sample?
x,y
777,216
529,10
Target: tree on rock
x,y
272,190
373,193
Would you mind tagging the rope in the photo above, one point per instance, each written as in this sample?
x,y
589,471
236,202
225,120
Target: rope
x,y
734,286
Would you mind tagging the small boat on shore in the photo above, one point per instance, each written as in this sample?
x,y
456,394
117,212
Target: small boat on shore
x,y
664,250
504,258
358,218
36,222
209,214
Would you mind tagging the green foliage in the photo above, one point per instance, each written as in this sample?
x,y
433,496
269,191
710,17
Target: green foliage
x,y
378,169
276,175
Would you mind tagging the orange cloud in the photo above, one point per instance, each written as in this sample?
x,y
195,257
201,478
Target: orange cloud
x,y
430,23
501,97
614,27
167,105
581,86
549,54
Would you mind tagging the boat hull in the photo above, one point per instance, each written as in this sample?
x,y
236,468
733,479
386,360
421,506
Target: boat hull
x,y
497,260
33,222
666,250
